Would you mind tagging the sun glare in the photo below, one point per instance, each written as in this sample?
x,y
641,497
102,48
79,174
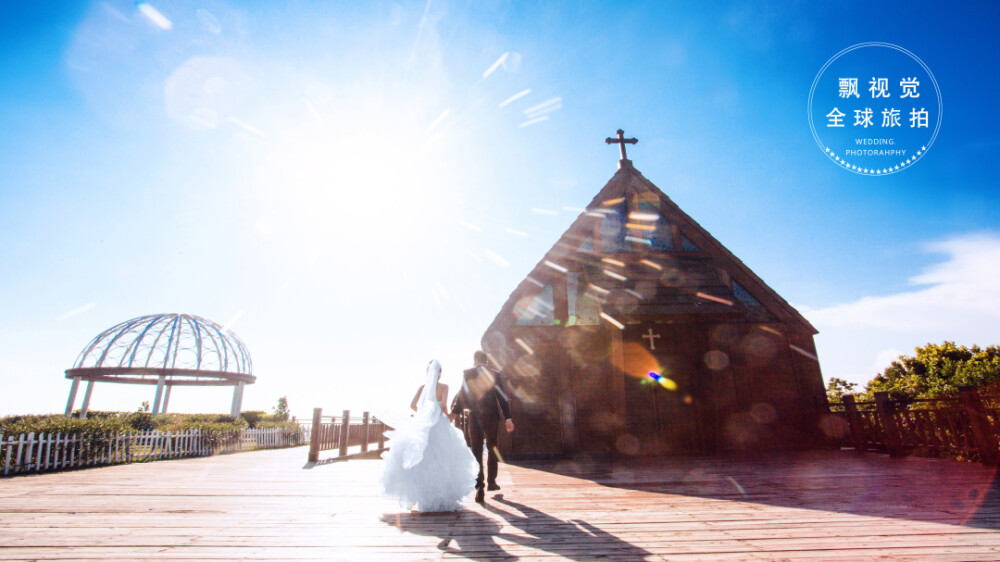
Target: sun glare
x,y
365,175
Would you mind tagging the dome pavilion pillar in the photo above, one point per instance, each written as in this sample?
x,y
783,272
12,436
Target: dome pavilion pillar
x,y
86,400
237,399
160,382
72,396
166,399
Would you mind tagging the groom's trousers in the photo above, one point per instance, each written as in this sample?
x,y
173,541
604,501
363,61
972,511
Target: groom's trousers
x,y
477,435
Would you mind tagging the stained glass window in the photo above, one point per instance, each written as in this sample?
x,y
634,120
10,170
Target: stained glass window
x,y
647,227
663,240
613,232
744,295
582,307
687,245
538,310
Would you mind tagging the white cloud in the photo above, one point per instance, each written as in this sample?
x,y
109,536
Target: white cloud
x,y
958,299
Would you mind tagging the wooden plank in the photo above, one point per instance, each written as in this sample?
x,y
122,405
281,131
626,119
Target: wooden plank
x,y
268,505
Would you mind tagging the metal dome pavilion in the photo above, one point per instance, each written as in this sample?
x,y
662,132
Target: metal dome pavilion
x,y
165,350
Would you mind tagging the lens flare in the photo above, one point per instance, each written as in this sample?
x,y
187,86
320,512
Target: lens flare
x,y
155,16
716,360
651,264
664,381
636,226
737,485
627,444
713,298
555,266
524,346
515,97
547,106
531,122
496,65
801,351
495,258
638,362
612,321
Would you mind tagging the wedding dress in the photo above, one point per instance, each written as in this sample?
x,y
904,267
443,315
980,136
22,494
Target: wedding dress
x,y
428,464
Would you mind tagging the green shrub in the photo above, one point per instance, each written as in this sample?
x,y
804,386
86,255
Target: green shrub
x,y
116,422
278,424
256,418
139,421
94,434
213,435
253,416
211,418
100,428
15,425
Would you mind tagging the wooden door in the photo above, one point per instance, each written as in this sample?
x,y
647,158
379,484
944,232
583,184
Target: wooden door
x,y
663,393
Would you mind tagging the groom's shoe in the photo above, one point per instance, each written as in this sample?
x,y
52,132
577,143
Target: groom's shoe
x,y
492,486
480,495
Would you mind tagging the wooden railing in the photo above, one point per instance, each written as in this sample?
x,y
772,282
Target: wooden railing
x,y
966,426
342,433
32,452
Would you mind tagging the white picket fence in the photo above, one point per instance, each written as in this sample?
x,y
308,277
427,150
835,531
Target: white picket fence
x,y
36,453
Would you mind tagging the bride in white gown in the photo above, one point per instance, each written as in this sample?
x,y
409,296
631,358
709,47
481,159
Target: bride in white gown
x,y
428,464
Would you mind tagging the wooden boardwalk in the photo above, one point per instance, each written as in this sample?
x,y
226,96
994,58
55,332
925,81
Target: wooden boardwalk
x,y
269,505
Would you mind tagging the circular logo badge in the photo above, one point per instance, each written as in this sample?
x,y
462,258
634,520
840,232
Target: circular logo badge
x,y
875,109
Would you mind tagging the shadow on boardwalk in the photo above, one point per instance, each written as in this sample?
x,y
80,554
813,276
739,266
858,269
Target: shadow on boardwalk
x,y
476,536
913,488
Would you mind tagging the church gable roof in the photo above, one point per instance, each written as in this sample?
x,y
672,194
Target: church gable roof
x,y
637,255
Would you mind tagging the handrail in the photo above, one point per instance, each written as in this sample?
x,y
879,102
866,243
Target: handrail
x,y
343,435
959,426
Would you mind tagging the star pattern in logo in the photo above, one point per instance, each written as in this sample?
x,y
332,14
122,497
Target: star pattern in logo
x,y
874,171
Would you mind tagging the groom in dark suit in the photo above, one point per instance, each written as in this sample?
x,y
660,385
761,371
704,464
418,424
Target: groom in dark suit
x,y
482,395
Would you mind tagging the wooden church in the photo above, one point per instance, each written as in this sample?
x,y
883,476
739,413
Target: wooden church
x,y
638,333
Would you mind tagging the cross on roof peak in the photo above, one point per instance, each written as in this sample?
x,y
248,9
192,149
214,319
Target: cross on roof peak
x,y
621,141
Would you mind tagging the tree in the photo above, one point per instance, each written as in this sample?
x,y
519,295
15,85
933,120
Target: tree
x,y
281,410
837,388
937,371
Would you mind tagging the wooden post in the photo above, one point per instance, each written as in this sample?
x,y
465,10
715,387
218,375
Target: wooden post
x,y
345,432
364,432
854,421
982,429
314,435
890,429
615,370
380,427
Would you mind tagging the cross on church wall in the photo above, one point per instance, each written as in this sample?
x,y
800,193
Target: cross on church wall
x,y
621,141
651,336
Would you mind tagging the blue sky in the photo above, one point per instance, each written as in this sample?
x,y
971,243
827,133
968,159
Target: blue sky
x,y
344,184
